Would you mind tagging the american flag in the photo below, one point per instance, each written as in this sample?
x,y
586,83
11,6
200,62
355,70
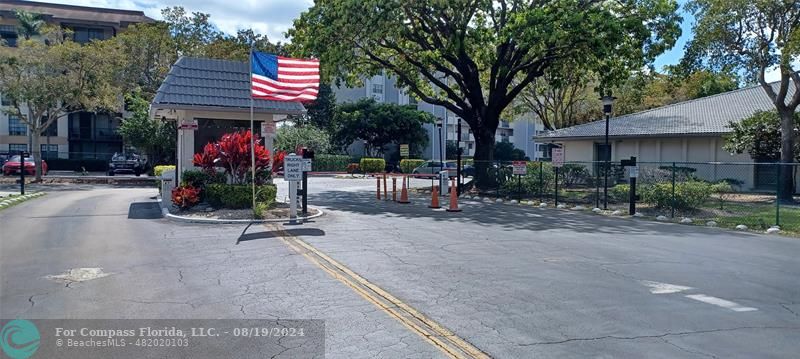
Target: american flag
x,y
283,78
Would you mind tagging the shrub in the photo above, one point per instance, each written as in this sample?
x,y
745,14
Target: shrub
x,y
372,165
620,193
574,174
723,190
352,168
185,196
330,163
232,152
200,179
408,165
159,170
688,195
238,196
530,183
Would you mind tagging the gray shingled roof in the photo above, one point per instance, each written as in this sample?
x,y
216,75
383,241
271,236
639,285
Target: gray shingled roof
x,y
214,84
707,115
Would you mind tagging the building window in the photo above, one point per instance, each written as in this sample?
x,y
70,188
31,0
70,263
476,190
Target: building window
x,y
377,88
52,129
83,35
16,147
16,127
5,101
8,33
49,151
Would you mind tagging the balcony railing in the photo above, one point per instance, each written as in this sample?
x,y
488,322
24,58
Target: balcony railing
x,y
97,133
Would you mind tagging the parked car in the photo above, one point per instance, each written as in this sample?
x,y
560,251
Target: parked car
x,y
12,166
432,169
127,163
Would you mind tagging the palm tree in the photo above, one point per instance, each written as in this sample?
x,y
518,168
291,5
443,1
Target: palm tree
x,y
30,24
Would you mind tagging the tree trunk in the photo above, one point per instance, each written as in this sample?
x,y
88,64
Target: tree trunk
x,y
36,152
484,157
786,188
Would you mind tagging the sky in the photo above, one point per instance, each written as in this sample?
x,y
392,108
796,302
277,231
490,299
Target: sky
x,y
274,17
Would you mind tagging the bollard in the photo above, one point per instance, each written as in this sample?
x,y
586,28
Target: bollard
x,y
385,193
435,198
394,189
404,192
453,199
379,188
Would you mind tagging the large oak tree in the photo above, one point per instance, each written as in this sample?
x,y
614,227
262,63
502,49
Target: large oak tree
x,y
475,56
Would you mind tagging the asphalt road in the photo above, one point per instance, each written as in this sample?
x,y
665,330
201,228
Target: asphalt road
x,y
543,283
515,282
161,269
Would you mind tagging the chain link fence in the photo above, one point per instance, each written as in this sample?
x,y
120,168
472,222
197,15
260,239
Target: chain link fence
x,y
729,194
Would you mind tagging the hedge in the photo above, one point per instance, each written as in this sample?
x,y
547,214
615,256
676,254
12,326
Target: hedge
x,y
408,165
68,164
200,179
330,163
238,196
372,165
159,170
688,195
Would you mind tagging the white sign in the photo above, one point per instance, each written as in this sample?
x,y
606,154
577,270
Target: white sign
x,y
189,125
267,127
633,171
306,165
558,157
520,167
293,168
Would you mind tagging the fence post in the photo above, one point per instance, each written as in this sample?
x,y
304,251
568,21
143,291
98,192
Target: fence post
x,y
672,198
597,186
556,186
541,181
778,196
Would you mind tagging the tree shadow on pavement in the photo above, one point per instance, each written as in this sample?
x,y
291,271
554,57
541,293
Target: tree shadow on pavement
x,y
510,216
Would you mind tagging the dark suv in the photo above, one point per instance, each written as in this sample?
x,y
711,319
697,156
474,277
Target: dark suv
x,y
127,163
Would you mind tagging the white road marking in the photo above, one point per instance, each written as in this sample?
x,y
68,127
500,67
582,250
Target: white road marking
x,y
664,288
720,302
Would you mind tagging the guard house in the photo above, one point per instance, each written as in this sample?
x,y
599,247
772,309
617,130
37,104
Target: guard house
x,y
209,98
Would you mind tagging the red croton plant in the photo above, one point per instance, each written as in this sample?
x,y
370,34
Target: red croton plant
x,y
232,152
185,196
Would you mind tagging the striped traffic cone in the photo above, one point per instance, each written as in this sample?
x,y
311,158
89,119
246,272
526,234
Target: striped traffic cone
x,y
404,192
453,199
435,198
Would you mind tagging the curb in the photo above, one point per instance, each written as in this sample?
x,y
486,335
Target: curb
x,y
10,201
172,217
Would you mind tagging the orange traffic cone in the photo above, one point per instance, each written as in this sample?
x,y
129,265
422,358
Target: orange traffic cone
x,y
453,199
385,193
435,198
404,192
394,189
379,187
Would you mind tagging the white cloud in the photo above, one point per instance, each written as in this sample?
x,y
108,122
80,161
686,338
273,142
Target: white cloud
x,y
269,17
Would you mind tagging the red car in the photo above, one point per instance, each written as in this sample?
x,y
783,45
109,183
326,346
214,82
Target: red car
x,y
12,166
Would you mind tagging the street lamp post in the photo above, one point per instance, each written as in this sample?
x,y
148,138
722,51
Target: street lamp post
x,y
608,102
441,152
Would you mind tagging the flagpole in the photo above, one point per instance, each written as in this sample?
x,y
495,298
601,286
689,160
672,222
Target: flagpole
x,y
252,132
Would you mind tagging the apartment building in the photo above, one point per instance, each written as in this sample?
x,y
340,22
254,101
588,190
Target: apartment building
x,y
383,88
81,134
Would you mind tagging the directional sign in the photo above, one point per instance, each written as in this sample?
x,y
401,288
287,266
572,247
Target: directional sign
x,y
520,167
306,165
404,150
293,168
558,157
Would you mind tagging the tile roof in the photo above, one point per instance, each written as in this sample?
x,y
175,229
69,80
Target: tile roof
x,y
707,115
209,83
65,13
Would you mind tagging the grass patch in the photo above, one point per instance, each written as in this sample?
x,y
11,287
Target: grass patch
x,y
758,216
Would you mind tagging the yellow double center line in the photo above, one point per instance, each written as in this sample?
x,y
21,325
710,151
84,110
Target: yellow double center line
x,y
433,332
